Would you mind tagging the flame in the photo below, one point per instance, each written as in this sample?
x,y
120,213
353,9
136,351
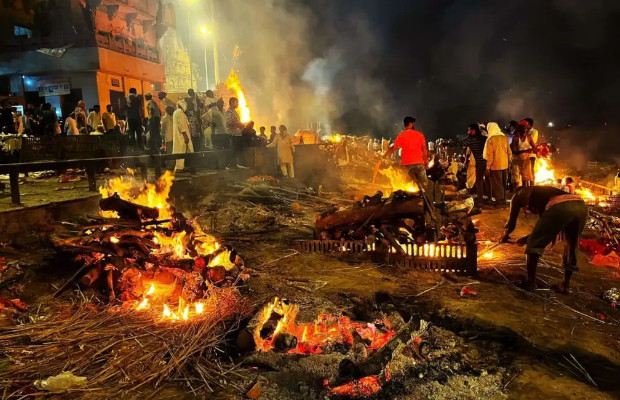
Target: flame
x,y
222,259
166,313
154,195
199,308
313,337
114,239
143,304
151,290
586,194
488,255
335,138
234,84
544,174
399,179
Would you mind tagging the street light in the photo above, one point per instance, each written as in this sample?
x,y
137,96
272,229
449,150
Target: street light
x,y
205,31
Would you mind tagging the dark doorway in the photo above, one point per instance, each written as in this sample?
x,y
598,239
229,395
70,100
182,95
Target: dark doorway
x,y
119,104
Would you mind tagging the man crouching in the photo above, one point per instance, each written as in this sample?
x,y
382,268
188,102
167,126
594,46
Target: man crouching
x,y
559,211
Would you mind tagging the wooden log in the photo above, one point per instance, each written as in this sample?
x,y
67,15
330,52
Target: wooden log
x,y
92,275
127,209
397,209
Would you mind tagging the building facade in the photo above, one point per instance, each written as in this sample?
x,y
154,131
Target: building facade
x,y
62,51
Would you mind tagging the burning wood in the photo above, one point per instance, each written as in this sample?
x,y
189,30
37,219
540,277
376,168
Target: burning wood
x,y
275,328
161,266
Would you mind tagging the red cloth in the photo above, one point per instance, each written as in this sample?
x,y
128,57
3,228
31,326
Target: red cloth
x,y
413,144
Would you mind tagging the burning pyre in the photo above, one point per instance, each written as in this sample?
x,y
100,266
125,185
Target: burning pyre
x,y
154,258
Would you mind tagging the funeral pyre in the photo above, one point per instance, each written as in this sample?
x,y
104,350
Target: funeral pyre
x,y
172,298
151,257
380,359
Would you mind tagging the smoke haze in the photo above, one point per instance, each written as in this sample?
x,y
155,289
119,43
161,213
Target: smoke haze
x,y
360,66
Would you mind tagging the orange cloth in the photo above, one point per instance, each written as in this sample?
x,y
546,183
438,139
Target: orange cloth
x,y
413,144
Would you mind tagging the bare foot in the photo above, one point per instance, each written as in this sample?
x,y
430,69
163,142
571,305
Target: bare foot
x,y
561,288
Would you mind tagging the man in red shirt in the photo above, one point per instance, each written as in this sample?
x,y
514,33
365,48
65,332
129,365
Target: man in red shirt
x,y
414,154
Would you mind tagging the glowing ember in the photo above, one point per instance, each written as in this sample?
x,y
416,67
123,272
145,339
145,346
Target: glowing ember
x,y
544,174
199,308
488,255
313,337
364,387
234,84
399,179
114,239
149,195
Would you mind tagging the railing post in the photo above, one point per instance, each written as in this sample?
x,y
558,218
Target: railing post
x,y
92,181
14,179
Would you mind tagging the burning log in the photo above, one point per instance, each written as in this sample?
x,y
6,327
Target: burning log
x,y
410,206
127,209
284,342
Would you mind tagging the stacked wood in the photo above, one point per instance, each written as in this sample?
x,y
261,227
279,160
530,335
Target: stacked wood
x,y
118,251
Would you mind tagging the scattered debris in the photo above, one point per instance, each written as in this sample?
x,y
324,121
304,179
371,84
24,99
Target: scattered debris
x,y
61,382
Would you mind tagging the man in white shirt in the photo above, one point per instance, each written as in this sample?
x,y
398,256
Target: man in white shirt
x,y
94,118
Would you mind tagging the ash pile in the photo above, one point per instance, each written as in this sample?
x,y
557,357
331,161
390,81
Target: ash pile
x,y
339,357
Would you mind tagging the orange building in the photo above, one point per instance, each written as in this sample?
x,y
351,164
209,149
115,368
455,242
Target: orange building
x,y
62,51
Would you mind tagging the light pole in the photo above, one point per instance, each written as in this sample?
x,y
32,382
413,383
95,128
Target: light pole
x,y
216,58
206,32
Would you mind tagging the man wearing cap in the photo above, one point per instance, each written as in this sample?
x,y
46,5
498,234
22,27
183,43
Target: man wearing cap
x,y
414,154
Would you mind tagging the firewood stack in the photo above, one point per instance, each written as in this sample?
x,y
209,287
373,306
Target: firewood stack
x,y
136,250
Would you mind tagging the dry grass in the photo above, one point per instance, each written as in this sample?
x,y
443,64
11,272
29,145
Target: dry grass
x,y
122,350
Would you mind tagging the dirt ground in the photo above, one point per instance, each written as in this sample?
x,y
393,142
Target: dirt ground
x,y
529,339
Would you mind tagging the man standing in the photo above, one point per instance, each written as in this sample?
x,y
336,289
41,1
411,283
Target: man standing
x,y
533,134
108,119
167,129
272,134
134,119
497,153
522,146
94,118
194,105
414,152
262,136
234,127
475,143
154,114
165,101
283,143
181,142
558,211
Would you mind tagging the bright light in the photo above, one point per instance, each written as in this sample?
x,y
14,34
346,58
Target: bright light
x,y
205,30
550,124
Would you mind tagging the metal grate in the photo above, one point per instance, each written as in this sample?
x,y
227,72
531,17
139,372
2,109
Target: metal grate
x,y
439,257
333,246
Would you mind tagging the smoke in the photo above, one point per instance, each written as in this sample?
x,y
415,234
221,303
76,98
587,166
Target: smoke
x,y
361,66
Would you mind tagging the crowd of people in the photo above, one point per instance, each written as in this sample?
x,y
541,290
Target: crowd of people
x,y
191,124
489,155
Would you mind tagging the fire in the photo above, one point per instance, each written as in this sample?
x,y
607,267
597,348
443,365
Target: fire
x,y
143,304
233,83
586,194
488,255
544,174
154,195
313,337
399,179
335,138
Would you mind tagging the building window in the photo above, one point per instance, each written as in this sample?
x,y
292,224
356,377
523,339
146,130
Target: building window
x,y
20,31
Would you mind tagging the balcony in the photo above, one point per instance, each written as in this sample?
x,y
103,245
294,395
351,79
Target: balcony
x,y
126,46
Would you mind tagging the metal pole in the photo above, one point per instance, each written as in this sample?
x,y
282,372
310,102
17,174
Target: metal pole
x,y
206,65
189,50
216,59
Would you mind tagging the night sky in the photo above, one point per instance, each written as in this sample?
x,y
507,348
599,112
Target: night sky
x,y
446,62
453,62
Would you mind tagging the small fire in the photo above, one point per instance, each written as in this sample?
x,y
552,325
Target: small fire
x,y
544,174
399,179
335,138
234,84
154,195
488,255
114,239
586,194
143,304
